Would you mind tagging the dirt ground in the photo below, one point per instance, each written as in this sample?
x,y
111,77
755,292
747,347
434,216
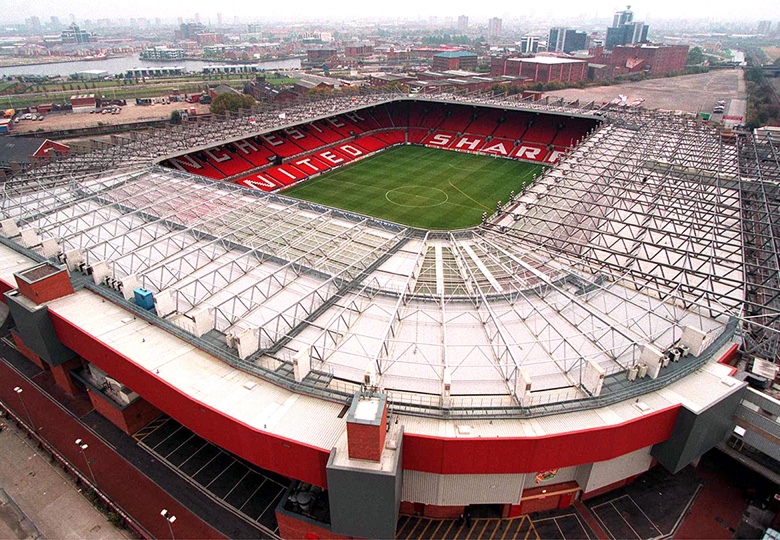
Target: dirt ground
x,y
691,93
772,52
130,113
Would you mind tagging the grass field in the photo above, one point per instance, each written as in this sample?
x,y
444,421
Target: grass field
x,y
421,187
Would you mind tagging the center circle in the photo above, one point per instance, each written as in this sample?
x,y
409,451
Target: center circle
x,y
417,196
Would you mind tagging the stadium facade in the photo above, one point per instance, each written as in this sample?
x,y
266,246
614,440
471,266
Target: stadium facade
x,y
578,337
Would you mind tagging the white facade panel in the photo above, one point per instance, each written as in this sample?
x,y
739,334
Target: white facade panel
x,y
604,473
462,489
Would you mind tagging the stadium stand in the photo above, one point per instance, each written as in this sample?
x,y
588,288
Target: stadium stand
x,y
362,120
324,133
432,116
226,162
253,151
512,125
400,114
456,119
381,116
570,132
395,136
332,142
242,283
543,129
300,137
196,164
259,181
370,143
279,145
484,122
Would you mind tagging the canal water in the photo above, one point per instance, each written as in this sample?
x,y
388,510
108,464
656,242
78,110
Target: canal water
x,y
120,65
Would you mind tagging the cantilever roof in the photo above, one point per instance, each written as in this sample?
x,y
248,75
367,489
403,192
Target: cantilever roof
x,y
268,407
634,236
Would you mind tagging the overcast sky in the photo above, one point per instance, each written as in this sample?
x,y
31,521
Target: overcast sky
x,y
478,11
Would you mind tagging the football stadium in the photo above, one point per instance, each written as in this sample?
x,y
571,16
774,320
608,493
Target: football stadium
x,y
340,312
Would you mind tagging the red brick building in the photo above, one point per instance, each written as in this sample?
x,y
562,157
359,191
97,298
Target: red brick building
x,y
357,50
657,60
544,69
446,61
321,55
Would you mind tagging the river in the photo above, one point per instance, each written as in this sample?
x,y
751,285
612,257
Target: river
x,y
122,64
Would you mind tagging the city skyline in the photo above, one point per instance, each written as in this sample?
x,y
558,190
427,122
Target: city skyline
x,y
402,9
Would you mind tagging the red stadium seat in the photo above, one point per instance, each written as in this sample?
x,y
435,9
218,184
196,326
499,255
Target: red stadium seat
x,y
279,145
394,136
572,131
301,137
498,147
340,126
456,119
309,165
530,152
362,120
370,143
400,114
322,145
416,135
321,130
195,164
484,122
433,115
439,139
285,174
225,161
252,151
382,117
512,125
259,181
543,129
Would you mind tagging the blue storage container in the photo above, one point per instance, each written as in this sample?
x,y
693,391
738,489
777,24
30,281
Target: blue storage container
x,y
143,298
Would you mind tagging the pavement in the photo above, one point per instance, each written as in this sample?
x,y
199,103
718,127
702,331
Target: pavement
x,y
116,459
39,500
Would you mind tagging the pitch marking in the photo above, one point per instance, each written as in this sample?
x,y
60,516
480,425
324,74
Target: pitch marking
x,y
399,190
466,195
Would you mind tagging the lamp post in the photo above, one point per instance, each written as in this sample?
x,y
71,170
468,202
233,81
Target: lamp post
x,y
83,446
169,519
19,391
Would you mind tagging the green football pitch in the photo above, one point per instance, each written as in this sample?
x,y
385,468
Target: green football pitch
x,y
421,187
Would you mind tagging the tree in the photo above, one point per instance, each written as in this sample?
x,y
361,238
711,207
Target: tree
x,y
695,56
176,116
231,102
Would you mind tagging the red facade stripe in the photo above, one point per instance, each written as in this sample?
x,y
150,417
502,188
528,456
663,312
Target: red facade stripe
x,y
285,456
421,452
532,454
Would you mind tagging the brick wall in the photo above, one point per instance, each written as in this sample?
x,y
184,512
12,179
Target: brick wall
x,y
31,356
366,441
62,376
129,419
294,529
54,286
